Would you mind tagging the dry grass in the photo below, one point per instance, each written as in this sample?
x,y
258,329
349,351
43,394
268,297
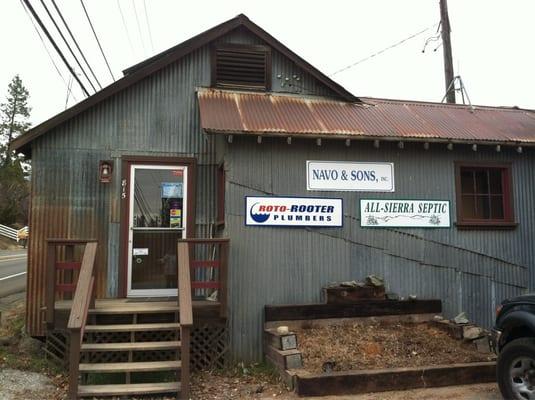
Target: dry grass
x,y
379,345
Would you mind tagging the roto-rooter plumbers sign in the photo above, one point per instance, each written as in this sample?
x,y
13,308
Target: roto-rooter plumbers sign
x,y
405,213
293,211
350,176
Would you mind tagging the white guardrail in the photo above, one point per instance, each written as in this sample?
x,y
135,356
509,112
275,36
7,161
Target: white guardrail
x,y
13,233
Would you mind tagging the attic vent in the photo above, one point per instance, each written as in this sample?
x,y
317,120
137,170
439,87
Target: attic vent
x,y
244,67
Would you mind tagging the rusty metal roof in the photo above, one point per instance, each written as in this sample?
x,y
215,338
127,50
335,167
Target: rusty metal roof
x,y
232,112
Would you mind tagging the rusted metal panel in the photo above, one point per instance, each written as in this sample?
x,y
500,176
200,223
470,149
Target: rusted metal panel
x,y
261,113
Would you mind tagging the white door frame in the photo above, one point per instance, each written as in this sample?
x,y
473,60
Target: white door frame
x,y
152,292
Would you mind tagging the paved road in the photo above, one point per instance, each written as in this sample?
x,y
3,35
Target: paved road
x,y
12,271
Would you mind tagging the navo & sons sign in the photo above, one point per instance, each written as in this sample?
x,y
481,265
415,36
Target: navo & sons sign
x,y
350,176
293,211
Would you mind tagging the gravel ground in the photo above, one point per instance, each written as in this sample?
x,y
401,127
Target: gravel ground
x,y
18,385
380,345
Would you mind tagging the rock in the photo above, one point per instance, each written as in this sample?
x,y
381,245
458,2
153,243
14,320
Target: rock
x,y
412,297
438,318
376,281
6,340
461,318
483,344
392,296
30,345
283,330
349,284
472,332
259,389
328,366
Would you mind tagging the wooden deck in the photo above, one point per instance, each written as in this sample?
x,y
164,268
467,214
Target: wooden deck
x,y
203,310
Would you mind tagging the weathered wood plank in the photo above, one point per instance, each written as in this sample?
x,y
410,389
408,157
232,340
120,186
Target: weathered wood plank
x,y
367,381
365,308
184,285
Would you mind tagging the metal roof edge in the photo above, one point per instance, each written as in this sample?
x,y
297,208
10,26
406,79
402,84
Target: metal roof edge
x,y
362,137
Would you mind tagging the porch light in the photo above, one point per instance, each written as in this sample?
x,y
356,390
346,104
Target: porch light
x,y
105,169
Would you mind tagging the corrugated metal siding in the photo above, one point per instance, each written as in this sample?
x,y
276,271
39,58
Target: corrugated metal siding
x,y
282,68
469,270
158,116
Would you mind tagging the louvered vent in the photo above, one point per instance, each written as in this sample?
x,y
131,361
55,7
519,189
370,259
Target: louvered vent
x,y
242,67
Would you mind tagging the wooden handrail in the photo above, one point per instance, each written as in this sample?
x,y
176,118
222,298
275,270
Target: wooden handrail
x,y
84,288
186,314
52,267
184,285
84,298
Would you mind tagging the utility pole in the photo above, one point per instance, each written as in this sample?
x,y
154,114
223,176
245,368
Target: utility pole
x,y
448,58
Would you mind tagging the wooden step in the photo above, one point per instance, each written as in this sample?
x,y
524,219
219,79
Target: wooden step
x,y
127,389
167,326
170,345
136,308
130,366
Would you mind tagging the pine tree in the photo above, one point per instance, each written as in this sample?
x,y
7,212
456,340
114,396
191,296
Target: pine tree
x,y
14,114
14,186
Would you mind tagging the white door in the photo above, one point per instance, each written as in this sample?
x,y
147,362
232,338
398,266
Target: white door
x,y
157,219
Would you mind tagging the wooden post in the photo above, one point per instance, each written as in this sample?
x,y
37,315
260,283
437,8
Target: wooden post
x,y
448,58
68,275
74,363
184,361
223,278
50,284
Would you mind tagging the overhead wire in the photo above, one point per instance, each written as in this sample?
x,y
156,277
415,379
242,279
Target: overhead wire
x,y
383,50
69,86
54,44
67,44
96,38
126,29
139,28
148,24
76,43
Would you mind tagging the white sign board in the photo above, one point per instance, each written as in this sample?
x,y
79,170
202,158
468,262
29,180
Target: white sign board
x,y
140,252
293,211
405,213
350,176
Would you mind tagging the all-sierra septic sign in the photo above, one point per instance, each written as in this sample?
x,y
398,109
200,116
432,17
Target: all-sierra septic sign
x,y
293,211
405,213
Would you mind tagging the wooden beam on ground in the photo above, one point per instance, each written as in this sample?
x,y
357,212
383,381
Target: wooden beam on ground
x,y
367,381
364,308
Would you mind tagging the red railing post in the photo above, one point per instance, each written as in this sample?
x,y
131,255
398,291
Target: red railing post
x,y
50,296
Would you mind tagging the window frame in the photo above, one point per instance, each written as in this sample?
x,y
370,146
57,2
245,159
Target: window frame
x,y
508,221
244,47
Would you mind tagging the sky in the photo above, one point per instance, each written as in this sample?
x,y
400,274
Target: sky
x,y
492,44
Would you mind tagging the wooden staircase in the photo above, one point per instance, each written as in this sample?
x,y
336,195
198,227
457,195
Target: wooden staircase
x,y
132,349
122,349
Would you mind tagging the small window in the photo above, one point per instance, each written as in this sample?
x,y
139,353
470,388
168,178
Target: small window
x,y
243,67
484,196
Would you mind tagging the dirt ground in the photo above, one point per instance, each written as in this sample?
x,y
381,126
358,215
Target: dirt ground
x,y
380,345
25,374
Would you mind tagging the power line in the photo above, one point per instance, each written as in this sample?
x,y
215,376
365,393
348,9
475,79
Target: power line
x,y
58,50
76,43
139,28
148,24
48,52
126,29
96,38
383,50
67,44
